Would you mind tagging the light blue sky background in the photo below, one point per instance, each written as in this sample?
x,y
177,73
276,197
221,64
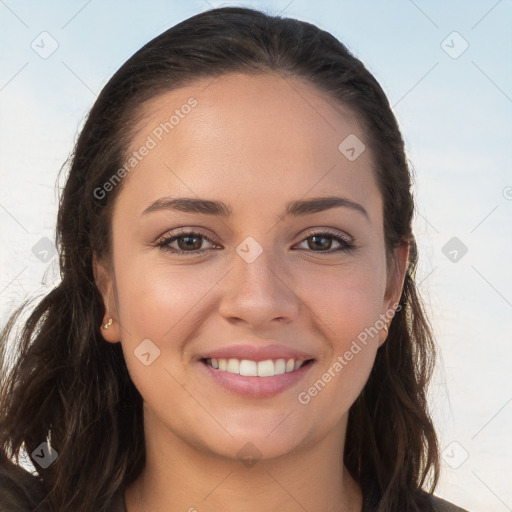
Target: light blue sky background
x,y
455,114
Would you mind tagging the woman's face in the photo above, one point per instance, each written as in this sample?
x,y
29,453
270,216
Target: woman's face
x,y
269,282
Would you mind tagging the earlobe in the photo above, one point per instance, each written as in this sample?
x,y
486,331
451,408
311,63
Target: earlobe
x,y
102,276
108,324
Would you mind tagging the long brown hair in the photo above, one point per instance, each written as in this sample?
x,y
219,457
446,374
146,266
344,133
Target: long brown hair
x,y
67,385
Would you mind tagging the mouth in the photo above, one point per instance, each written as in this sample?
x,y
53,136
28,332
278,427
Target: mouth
x,y
250,368
255,379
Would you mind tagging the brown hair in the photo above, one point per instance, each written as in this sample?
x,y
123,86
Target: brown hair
x,y
67,384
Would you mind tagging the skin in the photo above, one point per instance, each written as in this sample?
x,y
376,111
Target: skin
x,y
255,143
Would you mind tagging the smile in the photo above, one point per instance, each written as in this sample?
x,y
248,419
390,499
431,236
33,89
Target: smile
x,y
256,379
249,368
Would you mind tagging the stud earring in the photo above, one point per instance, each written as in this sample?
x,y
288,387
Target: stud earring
x,y
108,324
386,327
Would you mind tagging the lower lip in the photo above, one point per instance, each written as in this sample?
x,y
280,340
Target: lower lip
x,y
257,387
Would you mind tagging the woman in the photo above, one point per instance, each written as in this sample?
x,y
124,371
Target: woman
x,y
237,325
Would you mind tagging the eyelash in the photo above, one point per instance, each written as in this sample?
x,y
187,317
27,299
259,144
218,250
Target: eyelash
x,y
346,245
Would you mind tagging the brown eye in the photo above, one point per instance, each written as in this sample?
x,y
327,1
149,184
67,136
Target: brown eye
x,y
187,243
322,242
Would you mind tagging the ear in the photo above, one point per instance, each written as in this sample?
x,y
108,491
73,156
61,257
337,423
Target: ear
x,y
397,271
104,279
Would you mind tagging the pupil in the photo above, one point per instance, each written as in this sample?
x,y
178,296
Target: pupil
x,y
188,245
322,246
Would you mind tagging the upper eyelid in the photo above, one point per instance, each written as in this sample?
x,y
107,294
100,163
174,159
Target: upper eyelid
x,y
169,236
327,231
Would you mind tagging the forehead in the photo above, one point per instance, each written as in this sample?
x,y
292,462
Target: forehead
x,y
252,107
247,137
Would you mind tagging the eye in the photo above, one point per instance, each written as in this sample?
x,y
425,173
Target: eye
x,y
322,241
188,242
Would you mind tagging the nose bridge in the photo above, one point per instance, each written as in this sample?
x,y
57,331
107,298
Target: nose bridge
x,y
257,289
255,267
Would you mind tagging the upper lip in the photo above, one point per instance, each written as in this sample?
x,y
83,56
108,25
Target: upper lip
x,y
257,352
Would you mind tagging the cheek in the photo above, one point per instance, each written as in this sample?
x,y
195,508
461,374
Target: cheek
x,y
345,299
155,299
160,301
346,304
165,305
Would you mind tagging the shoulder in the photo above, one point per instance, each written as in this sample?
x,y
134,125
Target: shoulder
x,y
20,491
441,505
425,501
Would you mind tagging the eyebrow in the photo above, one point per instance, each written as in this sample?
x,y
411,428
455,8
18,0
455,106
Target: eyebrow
x,y
220,209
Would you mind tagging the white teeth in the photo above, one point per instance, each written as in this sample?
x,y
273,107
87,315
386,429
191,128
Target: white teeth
x,y
233,366
266,368
279,367
249,368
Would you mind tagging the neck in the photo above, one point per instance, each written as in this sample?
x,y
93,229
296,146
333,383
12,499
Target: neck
x,y
180,477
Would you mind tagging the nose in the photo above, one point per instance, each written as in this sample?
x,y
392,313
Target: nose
x,y
259,294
